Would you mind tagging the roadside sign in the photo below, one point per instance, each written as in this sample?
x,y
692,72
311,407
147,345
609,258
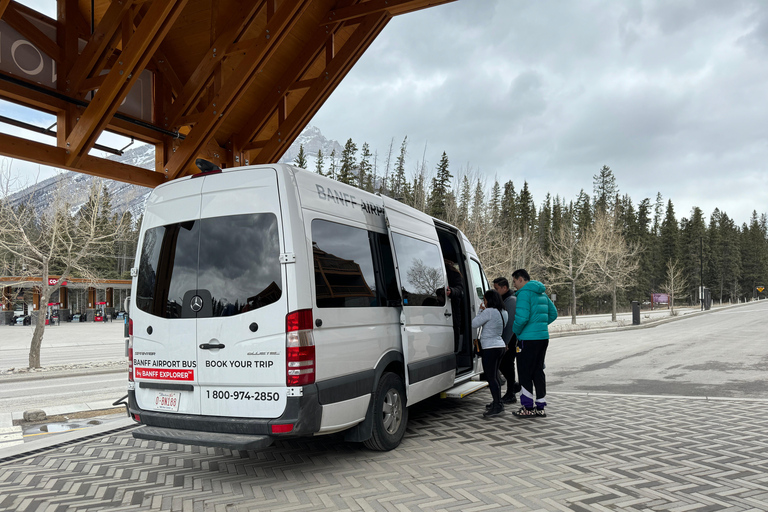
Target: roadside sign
x,y
760,289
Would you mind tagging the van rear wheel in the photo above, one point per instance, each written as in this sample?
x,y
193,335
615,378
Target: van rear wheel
x,y
390,414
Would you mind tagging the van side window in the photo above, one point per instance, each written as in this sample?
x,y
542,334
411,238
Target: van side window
x,y
478,278
344,267
421,271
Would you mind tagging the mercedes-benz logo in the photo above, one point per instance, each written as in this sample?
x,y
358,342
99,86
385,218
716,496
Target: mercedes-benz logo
x,y
196,303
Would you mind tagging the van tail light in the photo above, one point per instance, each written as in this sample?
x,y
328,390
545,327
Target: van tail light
x,y
130,350
299,348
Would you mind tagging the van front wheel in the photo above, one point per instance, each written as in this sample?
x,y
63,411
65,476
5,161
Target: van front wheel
x,y
390,414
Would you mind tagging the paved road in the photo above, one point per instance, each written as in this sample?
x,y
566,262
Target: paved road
x,y
68,343
595,451
722,352
61,392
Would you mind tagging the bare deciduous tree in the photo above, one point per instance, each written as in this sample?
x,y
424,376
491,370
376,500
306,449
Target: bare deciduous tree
x,y
571,260
42,241
675,283
615,260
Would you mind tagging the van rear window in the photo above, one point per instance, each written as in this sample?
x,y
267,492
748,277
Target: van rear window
x,y
232,264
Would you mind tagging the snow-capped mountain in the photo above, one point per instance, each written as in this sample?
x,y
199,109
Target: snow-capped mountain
x,y
313,141
126,197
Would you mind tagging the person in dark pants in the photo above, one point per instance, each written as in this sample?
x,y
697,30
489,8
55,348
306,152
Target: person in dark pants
x,y
507,365
492,317
533,315
455,292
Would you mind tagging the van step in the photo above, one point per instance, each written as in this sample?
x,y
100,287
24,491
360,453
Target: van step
x,y
218,440
464,389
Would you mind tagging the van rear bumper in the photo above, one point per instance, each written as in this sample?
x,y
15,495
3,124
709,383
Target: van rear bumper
x,y
303,412
195,437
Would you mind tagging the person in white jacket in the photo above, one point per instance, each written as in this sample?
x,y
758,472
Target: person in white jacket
x,y
492,317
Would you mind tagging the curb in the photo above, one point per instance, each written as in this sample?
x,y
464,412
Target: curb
x,y
647,325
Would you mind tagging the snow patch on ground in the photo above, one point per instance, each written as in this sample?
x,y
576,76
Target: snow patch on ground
x,y
109,365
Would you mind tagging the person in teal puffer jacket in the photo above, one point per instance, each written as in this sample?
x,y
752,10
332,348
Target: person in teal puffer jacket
x,y
533,315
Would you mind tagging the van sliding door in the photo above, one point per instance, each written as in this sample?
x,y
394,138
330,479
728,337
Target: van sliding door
x,y
426,324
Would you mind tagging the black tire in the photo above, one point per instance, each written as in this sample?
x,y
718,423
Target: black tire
x,y
390,414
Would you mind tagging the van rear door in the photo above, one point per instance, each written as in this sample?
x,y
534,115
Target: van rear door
x,y
239,296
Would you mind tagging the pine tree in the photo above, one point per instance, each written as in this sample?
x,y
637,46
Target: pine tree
x,y
691,249
399,182
333,167
645,276
658,214
301,158
508,208
319,165
464,199
365,175
731,257
604,183
754,257
583,214
669,239
713,274
495,204
526,211
441,186
348,164
544,230
386,182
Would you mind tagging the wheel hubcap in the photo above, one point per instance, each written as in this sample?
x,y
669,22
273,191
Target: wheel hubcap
x,y
393,411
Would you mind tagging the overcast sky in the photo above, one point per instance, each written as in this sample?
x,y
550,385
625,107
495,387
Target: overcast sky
x,y
671,95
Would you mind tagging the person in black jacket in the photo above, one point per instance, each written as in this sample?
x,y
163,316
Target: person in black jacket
x,y
455,292
507,365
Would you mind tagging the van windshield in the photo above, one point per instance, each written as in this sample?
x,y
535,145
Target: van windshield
x,y
231,264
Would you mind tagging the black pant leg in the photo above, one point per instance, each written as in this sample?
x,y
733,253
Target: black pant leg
x,y
507,367
539,379
526,359
491,359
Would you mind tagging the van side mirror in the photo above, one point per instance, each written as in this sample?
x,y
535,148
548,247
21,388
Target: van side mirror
x,y
394,303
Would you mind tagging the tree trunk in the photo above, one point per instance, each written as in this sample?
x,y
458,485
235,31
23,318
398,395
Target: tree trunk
x,y
37,335
573,301
37,341
613,304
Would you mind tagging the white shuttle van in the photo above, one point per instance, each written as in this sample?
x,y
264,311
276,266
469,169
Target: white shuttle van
x,y
270,302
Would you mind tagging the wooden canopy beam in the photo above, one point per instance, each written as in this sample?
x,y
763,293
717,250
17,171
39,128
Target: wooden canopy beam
x,y
254,58
98,42
393,7
238,22
238,78
309,104
321,38
43,154
121,78
3,6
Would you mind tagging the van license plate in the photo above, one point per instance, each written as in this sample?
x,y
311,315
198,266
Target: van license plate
x,y
167,400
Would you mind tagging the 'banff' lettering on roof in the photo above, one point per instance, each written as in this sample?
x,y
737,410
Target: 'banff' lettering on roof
x,y
344,199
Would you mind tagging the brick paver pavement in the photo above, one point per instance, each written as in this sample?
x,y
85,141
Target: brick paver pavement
x,y
592,453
